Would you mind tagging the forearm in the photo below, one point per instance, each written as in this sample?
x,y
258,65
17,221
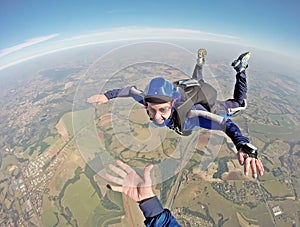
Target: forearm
x,y
155,214
119,92
130,91
235,134
151,207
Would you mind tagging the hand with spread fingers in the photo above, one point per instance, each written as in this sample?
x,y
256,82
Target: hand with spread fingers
x,y
130,183
252,163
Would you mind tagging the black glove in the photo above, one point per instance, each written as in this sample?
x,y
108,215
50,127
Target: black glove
x,y
249,149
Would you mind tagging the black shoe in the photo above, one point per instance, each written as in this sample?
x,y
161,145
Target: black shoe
x,y
241,63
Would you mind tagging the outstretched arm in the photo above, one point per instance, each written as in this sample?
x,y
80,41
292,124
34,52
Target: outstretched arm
x,y
214,122
130,91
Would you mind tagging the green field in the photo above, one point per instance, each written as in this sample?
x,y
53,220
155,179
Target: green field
x,y
51,216
277,188
81,199
270,132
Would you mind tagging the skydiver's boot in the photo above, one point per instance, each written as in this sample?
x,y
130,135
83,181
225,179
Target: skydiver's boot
x,y
241,63
201,57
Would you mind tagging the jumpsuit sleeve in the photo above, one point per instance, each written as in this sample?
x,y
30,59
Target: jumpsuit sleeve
x,y
228,126
130,91
155,215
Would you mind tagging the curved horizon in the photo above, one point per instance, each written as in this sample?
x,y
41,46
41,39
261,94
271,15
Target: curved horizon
x,y
42,46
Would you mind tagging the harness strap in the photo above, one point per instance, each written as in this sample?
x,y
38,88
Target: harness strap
x,y
206,114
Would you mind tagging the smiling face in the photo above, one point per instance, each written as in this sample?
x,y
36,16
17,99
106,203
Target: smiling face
x,y
159,112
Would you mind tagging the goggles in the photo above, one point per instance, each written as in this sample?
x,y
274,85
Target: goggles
x,y
161,110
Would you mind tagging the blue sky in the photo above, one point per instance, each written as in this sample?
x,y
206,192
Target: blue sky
x,y
273,25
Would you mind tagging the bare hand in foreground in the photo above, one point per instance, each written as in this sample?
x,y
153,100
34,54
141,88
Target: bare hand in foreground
x,y
137,187
100,99
254,163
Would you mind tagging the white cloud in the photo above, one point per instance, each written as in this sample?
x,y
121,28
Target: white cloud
x,y
106,36
27,43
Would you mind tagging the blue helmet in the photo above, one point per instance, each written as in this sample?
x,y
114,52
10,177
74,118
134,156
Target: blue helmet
x,y
159,90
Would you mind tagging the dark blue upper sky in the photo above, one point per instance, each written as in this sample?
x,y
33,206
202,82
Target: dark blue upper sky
x,y
266,23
